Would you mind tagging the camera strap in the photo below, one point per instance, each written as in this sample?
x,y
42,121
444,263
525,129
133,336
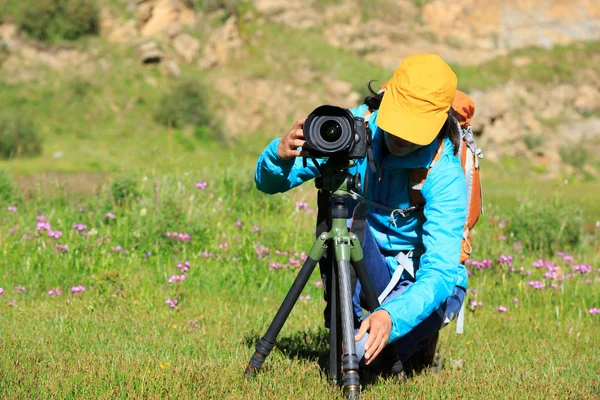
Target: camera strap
x,y
394,212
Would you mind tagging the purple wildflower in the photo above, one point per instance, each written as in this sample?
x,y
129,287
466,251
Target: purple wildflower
x,y
224,245
42,223
12,303
261,251
19,289
206,254
63,248
502,238
505,260
582,268
501,309
54,234
182,237
538,263
305,298
77,289
148,254
239,224
172,303
54,292
594,310
255,228
300,205
535,284
484,264
110,215
201,185
79,227
294,262
116,249
1,291
194,324
319,283
12,208
176,278
275,266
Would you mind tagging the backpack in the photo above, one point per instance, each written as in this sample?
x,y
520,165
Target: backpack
x,y
469,155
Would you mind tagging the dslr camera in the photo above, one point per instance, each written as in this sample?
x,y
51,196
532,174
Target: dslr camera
x,y
331,131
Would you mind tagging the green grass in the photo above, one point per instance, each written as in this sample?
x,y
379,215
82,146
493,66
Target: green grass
x,y
120,339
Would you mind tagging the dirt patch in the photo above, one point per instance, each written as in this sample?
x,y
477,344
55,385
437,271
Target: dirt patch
x,y
73,183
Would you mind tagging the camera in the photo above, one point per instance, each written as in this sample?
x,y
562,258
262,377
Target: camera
x,y
332,131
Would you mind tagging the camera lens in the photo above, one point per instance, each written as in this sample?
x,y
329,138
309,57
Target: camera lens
x,y
331,131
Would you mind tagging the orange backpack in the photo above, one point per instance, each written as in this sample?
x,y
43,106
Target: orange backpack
x,y
469,156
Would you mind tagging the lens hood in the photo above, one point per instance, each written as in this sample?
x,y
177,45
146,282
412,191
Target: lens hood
x,y
329,130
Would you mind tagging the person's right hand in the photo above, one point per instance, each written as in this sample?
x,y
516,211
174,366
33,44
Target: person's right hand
x,y
288,145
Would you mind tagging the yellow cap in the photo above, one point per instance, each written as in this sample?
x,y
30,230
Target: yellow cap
x,y
417,99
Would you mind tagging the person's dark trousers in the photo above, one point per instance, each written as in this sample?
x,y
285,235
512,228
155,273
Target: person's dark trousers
x,y
420,339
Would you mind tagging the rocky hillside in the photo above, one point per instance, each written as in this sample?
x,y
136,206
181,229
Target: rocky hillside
x,y
532,67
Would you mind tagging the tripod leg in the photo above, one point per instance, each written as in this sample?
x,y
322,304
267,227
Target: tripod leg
x,y
350,359
266,343
358,262
335,332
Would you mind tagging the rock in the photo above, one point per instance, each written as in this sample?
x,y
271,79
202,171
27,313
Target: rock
x,y
588,99
223,44
125,33
171,68
8,31
187,47
520,62
155,15
172,30
150,53
144,12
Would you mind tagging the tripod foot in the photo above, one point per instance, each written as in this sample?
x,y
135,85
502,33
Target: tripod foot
x,y
352,394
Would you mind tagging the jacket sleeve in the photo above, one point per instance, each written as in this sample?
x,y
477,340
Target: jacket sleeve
x,y
274,175
445,210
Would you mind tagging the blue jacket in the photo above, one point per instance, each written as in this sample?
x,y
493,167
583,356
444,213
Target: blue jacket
x,y
439,269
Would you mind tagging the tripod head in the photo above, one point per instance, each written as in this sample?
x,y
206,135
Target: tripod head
x,y
336,179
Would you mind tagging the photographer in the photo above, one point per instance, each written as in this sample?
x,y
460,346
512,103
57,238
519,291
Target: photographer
x,y
410,122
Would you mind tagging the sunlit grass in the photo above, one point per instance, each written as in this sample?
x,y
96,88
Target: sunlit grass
x,y
119,337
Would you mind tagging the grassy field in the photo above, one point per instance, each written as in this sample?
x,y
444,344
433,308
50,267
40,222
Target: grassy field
x,y
94,228
120,336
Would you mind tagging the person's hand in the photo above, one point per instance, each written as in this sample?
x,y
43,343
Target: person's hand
x,y
288,145
379,326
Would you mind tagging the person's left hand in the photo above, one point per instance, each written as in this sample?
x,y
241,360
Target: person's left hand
x,y
379,326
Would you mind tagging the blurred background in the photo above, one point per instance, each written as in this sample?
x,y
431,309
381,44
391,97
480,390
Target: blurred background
x,y
93,89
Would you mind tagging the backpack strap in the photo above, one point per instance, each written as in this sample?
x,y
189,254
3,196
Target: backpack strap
x,y
417,180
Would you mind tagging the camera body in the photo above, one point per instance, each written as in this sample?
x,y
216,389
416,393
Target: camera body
x,y
332,131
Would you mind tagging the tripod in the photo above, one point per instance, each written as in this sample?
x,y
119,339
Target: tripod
x,y
347,251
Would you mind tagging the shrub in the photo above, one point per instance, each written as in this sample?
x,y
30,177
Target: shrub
x,y
534,142
546,226
51,20
185,104
123,189
18,137
575,155
8,191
